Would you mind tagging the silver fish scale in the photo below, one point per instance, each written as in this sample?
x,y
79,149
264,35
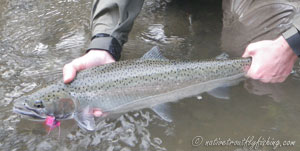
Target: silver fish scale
x,y
112,86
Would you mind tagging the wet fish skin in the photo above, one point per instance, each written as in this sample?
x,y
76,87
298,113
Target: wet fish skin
x,y
143,78
129,85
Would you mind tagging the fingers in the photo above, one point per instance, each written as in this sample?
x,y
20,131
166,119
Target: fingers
x,y
70,70
91,59
250,52
253,69
257,69
69,73
97,113
259,64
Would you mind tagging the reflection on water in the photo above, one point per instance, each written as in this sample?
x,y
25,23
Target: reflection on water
x,y
155,35
39,37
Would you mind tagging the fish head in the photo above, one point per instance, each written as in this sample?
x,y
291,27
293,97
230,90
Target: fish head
x,y
44,103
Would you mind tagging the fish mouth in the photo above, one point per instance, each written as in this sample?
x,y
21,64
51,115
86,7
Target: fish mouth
x,y
23,109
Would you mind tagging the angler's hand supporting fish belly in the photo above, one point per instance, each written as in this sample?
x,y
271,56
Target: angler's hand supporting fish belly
x,y
272,60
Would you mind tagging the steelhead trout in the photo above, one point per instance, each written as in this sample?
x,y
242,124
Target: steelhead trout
x,y
129,85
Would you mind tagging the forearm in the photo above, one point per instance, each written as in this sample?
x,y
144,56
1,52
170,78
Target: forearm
x,y
111,22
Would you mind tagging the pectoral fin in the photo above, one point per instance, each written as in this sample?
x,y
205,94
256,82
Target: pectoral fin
x,y
163,111
85,119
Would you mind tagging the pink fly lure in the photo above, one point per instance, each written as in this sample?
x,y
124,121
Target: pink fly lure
x,y
52,123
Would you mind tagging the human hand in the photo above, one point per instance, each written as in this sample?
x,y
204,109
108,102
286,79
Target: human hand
x,y
272,60
91,59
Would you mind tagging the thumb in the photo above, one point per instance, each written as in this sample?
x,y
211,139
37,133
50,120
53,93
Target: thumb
x,y
70,69
69,73
250,50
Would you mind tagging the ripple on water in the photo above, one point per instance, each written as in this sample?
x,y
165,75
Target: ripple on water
x,y
9,73
40,49
117,134
113,134
296,72
156,35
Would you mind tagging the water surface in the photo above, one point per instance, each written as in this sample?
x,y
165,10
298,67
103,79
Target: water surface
x,y
38,38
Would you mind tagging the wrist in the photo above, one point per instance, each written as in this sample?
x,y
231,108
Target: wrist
x,y
292,38
108,43
285,47
103,55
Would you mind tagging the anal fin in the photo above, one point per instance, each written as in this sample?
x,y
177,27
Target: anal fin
x,y
220,93
163,111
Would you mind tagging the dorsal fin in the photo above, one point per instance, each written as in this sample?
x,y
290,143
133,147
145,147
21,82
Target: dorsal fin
x,y
153,54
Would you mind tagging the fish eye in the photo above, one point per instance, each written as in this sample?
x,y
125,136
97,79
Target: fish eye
x,y
38,104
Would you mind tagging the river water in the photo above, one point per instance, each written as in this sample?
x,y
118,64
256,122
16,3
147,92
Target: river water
x,y
38,37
